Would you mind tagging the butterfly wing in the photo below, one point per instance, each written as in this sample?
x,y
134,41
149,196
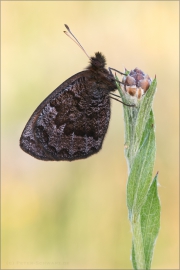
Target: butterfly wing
x,y
71,122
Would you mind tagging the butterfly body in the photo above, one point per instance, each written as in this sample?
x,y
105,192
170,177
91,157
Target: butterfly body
x,y
72,121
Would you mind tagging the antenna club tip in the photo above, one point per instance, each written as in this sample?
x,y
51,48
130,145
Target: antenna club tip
x,y
67,27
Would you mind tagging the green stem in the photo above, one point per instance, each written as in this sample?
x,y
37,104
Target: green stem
x,y
138,244
142,196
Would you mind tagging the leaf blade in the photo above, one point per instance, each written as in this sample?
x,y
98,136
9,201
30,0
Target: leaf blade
x,y
140,176
150,221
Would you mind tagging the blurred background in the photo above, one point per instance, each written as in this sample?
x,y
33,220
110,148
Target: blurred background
x,y
58,215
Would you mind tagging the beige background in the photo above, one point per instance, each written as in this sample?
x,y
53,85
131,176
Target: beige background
x,y
74,215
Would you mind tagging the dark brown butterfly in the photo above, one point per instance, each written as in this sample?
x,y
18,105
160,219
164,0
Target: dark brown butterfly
x,y
72,121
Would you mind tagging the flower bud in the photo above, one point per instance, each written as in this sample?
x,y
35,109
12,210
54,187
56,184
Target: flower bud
x,y
136,83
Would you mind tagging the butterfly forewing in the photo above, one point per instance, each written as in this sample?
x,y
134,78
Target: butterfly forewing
x,y
71,122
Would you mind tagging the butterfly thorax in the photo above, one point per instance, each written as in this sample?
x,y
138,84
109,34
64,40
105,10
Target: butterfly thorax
x,y
100,73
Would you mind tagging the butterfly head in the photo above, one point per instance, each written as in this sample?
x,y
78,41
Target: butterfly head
x,y
98,61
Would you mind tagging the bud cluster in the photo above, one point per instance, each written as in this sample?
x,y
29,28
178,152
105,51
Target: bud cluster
x,y
136,83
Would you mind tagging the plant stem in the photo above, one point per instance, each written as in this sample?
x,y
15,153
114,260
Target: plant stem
x,y
138,244
142,196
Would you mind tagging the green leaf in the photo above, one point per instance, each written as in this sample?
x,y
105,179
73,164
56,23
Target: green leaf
x,y
145,229
140,176
143,114
150,221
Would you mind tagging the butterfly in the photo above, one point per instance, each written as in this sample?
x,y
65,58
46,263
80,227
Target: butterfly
x,y
72,121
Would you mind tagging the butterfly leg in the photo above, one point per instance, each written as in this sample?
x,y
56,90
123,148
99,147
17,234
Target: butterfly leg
x,y
110,70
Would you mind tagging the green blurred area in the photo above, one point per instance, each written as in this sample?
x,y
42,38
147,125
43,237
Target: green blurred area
x,y
62,215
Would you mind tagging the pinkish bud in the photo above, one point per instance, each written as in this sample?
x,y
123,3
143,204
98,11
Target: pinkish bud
x,y
130,80
144,84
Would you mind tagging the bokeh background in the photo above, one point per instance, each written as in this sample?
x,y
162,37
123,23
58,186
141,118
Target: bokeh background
x,y
58,215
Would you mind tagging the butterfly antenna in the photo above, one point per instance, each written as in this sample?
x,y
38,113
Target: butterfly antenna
x,y
76,41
